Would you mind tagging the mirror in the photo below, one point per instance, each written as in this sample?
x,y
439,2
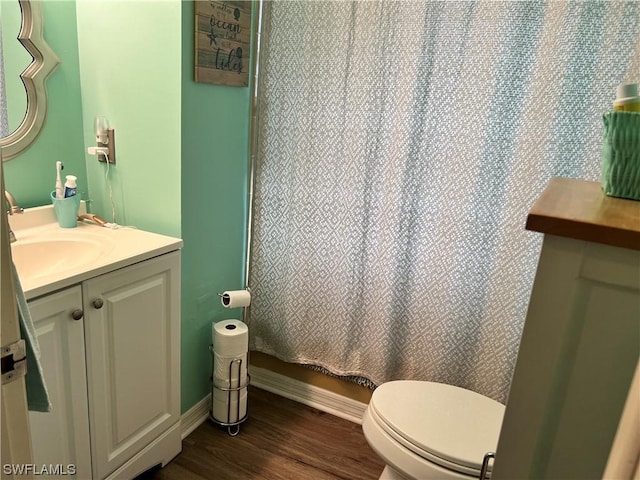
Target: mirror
x,y
15,59
34,77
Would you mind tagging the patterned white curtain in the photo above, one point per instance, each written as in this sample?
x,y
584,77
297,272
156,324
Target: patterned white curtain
x,y
400,147
4,120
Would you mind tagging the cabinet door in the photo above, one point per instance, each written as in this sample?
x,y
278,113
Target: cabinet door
x,y
132,340
61,437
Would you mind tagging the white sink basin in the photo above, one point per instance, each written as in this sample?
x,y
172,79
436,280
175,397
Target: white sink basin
x,y
43,257
49,258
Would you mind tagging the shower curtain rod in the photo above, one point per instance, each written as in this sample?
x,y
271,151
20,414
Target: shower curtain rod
x,y
257,30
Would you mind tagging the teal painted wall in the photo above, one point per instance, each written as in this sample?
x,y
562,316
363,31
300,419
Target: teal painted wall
x,y
130,57
31,175
215,172
181,149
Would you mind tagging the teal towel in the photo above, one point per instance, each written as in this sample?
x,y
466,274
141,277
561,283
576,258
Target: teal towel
x,y
37,394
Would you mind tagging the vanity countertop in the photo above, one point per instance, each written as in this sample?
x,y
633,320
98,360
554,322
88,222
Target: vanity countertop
x,y
50,258
579,209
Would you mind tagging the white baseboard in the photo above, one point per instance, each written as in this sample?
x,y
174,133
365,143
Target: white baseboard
x,y
316,397
195,416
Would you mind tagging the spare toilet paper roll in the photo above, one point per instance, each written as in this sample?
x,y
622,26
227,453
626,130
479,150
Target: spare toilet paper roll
x,y
230,338
236,298
225,406
228,371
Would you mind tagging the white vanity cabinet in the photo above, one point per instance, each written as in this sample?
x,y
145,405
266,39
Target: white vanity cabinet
x,y
114,373
60,437
133,350
581,340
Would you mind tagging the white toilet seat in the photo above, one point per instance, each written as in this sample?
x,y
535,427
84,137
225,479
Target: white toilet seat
x,y
442,425
405,464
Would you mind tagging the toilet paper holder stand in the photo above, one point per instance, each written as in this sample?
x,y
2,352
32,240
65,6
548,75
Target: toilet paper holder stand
x,y
233,428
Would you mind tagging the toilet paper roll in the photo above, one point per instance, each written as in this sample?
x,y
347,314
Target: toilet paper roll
x,y
224,376
236,298
230,338
225,406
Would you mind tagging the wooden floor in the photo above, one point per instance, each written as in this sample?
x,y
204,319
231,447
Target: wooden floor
x,y
281,439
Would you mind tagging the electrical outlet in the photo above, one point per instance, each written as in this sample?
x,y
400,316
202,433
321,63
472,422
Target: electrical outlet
x,y
110,145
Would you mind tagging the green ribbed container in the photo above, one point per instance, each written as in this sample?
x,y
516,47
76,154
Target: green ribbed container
x,y
621,155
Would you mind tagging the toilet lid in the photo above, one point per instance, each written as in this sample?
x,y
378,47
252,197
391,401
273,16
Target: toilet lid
x,y
447,425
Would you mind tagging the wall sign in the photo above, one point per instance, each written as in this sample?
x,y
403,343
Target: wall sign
x,y
222,46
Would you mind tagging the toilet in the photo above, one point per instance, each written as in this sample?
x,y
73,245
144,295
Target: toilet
x,y
426,430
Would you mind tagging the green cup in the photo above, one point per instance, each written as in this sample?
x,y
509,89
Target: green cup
x,y
66,210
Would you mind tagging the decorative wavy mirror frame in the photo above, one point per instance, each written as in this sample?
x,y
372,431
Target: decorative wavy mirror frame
x,y
34,78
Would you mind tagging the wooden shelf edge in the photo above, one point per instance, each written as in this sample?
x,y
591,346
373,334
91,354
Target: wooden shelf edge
x,y
579,209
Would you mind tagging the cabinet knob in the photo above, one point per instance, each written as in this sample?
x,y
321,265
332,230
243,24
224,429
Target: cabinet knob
x,y
77,314
98,303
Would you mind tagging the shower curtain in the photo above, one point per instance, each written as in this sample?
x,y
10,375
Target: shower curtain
x,y
4,120
399,148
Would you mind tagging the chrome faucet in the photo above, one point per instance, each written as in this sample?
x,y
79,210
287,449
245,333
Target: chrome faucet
x,y
13,208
